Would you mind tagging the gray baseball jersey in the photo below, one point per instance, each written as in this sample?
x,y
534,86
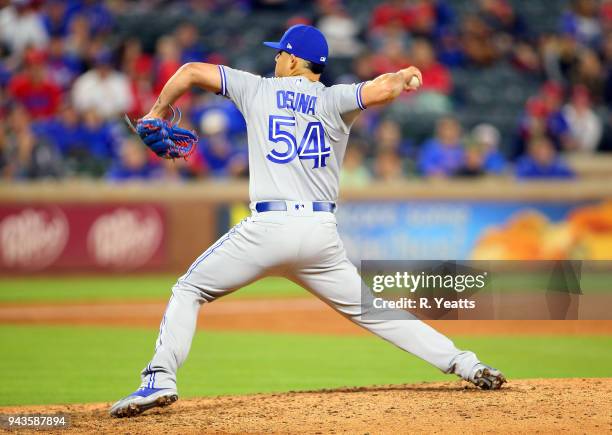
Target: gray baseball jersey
x,y
296,133
297,138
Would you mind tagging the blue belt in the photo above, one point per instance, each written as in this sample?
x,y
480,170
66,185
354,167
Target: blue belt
x,y
264,206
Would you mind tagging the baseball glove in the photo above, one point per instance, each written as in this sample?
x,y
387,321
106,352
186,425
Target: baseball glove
x,y
165,139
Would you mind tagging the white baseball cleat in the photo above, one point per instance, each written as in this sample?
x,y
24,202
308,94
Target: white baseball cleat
x,y
143,399
486,377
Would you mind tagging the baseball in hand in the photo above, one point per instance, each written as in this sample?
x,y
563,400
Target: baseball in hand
x,y
414,82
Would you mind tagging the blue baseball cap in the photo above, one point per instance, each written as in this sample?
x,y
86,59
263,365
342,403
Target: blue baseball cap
x,y
306,42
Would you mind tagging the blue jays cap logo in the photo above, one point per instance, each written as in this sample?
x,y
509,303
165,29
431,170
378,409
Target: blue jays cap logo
x,y
306,42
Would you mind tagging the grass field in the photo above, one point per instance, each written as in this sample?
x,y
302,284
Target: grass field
x,y
69,365
147,287
158,287
66,364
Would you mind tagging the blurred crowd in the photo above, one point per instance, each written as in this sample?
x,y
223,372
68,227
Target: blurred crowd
x,y
69,72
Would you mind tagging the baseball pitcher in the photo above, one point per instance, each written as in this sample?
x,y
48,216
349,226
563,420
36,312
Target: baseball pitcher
x,y
297,134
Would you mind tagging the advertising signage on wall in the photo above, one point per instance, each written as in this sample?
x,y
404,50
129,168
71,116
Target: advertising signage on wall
x,y
38,238
485,230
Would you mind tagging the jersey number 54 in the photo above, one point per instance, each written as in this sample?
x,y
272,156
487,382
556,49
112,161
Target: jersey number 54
x,y
312,145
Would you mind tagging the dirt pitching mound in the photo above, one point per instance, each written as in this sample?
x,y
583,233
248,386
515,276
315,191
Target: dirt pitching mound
x,y
544,406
